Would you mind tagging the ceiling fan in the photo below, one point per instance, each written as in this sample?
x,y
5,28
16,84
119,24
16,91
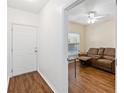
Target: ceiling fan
x,y
92,18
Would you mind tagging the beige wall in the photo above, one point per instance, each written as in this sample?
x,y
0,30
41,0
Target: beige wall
x,y
74,27
101,34
96,35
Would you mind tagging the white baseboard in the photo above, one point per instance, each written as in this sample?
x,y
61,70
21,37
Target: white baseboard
x,y
48,82
8,81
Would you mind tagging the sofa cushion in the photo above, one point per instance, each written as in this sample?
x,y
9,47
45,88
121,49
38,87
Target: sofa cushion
x,y
109,52
93,51
109,58
104,62
101,51
95,56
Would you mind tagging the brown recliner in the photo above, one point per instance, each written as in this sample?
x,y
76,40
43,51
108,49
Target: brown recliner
x,y
107,60
103,58
92,52
100,54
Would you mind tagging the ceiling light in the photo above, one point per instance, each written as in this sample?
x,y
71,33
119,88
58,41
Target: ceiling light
x,y
91,15
91,18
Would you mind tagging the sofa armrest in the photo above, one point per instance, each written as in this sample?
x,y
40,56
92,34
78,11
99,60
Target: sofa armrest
x,y
82,54
113,66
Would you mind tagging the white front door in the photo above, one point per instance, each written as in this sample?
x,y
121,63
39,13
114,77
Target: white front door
x,y
24,49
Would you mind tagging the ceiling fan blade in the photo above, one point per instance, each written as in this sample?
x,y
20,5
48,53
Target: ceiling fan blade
x,y
99,17
85,15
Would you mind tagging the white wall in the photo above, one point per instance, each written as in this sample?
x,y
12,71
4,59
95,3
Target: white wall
x,y
19,17
52,57
101,34
78,28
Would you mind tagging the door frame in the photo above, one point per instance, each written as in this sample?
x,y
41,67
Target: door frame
x,y
71,4
11,47
68,5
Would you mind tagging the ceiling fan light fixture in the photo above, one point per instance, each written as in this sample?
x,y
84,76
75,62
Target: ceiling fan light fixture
x,y
93,21
91,15
91,18
89,21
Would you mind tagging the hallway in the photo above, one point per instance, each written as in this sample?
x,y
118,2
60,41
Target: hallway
x,y
28,83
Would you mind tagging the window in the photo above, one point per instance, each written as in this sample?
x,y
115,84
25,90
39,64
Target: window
x,y
73,44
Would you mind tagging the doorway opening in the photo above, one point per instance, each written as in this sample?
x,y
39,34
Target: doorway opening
x,y
96,22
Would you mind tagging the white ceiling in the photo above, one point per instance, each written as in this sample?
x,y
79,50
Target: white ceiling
x,y
106,8
27,5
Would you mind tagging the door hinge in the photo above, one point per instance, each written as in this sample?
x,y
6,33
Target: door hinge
x,y
11,28
36,51
11,49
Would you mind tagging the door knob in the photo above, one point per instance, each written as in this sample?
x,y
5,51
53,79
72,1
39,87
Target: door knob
x,y
35,51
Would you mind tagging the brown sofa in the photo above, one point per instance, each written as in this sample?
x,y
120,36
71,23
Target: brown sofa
x,y
103,58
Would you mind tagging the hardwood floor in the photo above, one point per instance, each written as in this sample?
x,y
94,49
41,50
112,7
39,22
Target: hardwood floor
x,y
90,80
28,83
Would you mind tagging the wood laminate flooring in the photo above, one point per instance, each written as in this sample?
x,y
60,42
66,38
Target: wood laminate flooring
x,y
28,83
90,80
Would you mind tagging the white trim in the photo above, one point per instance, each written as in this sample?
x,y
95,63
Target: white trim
x,y
69,3
74,4
65,22
11,47
8,81
65,29
48,82
24,25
